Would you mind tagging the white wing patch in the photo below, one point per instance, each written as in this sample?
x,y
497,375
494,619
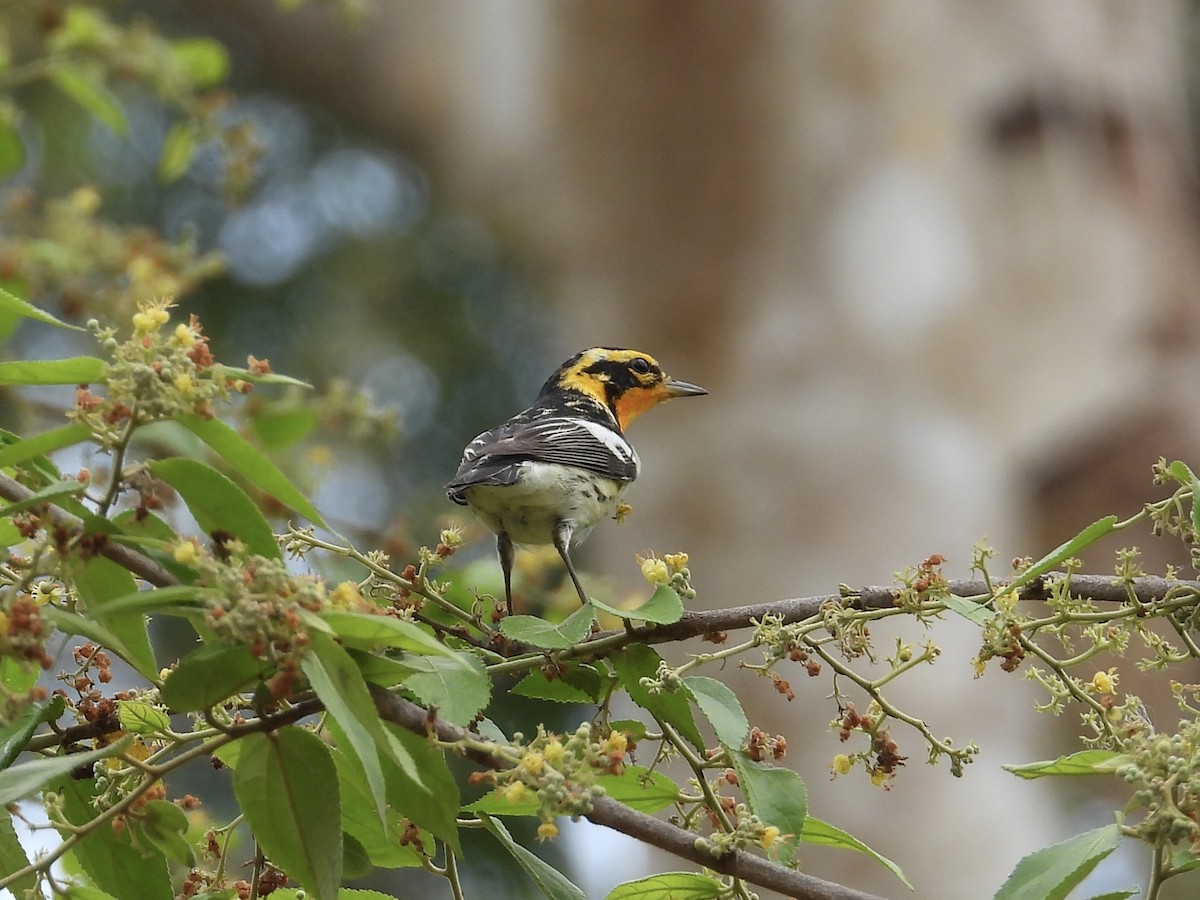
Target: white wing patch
x,y
620,447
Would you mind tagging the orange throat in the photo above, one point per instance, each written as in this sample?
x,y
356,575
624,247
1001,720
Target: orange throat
x,y
636,401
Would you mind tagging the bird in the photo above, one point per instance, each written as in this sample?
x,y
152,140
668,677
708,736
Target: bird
x,y
552,471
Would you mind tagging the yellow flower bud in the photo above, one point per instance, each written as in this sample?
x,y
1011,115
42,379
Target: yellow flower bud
x,y
616,742
346,596
841,764
185,553
533,762
183,383
655,571
1104,682
514,792
86,200
452,537
547,831
143,323
553,751
878,777
676,562
769,836
183,336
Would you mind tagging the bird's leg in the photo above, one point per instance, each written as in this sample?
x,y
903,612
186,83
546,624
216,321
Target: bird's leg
x,y
562,542
504,547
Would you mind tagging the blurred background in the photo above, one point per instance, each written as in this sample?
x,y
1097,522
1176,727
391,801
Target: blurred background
x,y
936,263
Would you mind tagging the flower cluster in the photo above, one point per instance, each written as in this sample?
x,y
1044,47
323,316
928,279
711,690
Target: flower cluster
x,y
255,602
671,570
63,248
1164,771
22,631
153,376
883,757
559,773
749,831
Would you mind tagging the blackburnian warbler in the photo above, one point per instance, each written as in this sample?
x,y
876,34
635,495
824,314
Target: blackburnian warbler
x,y
550,473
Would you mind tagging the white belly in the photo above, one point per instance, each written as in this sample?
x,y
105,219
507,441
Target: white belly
x,y
547,494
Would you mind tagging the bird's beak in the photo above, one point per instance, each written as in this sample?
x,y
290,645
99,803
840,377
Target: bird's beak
x,y
673,388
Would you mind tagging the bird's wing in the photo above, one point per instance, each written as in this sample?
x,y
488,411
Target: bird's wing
x,y
494,457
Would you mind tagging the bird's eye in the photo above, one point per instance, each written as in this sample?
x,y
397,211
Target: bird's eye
x,y
640,365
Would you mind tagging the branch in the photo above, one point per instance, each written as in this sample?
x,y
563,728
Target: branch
x,y
646,828
1102,588
140,565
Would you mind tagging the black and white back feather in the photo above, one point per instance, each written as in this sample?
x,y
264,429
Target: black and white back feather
x,y
543,435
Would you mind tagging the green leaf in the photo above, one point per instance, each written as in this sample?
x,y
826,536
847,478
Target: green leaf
x,y
381,670
637,787
17,731
968,609
380,841
286,784
641,789
87,892
370,632
578,683
164,825
19,782
179,147
74,370
218,504
540,633
818,832
13,858
40,445
635,662
721,707
53,492
258,377
10,304
356,863
73,623
12,149
775,795
1052,873
458,685
669,886
551,882
100,581
420,784
17,676
139,717
1181,472
177,599
112,861
278,429
91,94
1051,560
250,464
664,607
1085,762
208,675
205,60
340,686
